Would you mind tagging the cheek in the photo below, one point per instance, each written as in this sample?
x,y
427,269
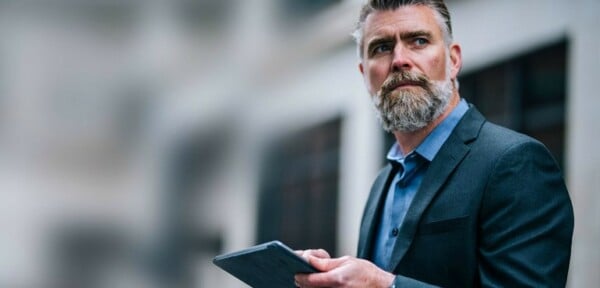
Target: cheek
x,y
437,66
376,76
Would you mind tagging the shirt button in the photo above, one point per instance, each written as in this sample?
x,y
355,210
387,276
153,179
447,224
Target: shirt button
x,y
395,232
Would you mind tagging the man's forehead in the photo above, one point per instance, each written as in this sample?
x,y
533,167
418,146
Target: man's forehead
x,y
403,19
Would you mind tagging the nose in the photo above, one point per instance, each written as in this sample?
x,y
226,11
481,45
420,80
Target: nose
x,y
401,60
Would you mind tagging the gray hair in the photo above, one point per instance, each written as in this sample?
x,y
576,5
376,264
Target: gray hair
x,y
441,13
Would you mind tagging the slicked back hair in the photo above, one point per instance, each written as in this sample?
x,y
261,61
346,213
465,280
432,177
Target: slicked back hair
x,y
439,7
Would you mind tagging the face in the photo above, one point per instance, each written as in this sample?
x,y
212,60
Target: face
x,y
407,66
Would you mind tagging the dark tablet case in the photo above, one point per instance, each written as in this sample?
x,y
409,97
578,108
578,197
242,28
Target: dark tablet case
x,y
267,265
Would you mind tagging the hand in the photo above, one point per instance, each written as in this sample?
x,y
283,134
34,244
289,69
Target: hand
x,y
344,272
318,253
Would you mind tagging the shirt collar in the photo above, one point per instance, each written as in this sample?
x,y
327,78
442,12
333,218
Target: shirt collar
x,y
434,141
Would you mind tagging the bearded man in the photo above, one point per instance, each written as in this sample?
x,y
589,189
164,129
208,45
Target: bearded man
x,y
463,202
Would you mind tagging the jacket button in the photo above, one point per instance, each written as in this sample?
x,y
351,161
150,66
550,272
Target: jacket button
x,y
395,232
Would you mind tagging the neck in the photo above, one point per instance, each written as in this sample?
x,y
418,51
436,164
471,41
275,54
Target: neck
x,y
408,141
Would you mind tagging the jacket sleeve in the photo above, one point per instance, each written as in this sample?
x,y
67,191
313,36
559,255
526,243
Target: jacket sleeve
x,y
526,221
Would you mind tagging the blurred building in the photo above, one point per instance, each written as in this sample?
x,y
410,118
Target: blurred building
x,y
141,138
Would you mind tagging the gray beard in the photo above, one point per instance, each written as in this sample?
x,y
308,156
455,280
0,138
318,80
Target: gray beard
x,y
409,110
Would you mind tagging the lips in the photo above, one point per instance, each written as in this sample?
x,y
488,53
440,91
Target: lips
x,y
408,83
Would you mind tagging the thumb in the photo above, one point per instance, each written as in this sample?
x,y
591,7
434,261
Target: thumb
x,y
324,264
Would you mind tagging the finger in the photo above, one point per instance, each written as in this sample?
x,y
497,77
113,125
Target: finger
x,y
302,253
300,280
319,253
325,279
326,264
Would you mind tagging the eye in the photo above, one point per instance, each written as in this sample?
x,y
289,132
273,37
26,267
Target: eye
x,y
420,41
381,48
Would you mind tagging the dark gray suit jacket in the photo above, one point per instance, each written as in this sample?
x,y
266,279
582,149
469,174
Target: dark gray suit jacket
x,y
492,211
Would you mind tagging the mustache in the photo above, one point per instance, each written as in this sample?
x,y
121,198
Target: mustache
x,y
397,79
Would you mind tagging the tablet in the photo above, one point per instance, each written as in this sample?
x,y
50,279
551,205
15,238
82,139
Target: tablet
x,y
270,264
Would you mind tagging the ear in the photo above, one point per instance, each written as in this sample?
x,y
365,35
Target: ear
x,y
455,59
361,68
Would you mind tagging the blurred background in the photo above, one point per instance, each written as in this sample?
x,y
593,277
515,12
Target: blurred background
x,y
140,138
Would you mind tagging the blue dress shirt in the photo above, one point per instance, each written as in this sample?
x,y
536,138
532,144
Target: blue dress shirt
x,y
406,183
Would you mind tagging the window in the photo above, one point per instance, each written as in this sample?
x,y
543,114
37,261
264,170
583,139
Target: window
x,y
526,93
299,189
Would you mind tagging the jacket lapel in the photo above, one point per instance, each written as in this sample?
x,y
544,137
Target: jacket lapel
x,y
371,212
450,155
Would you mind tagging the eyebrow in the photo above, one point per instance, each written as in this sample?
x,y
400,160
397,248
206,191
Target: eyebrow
x,y
415,34
403,36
